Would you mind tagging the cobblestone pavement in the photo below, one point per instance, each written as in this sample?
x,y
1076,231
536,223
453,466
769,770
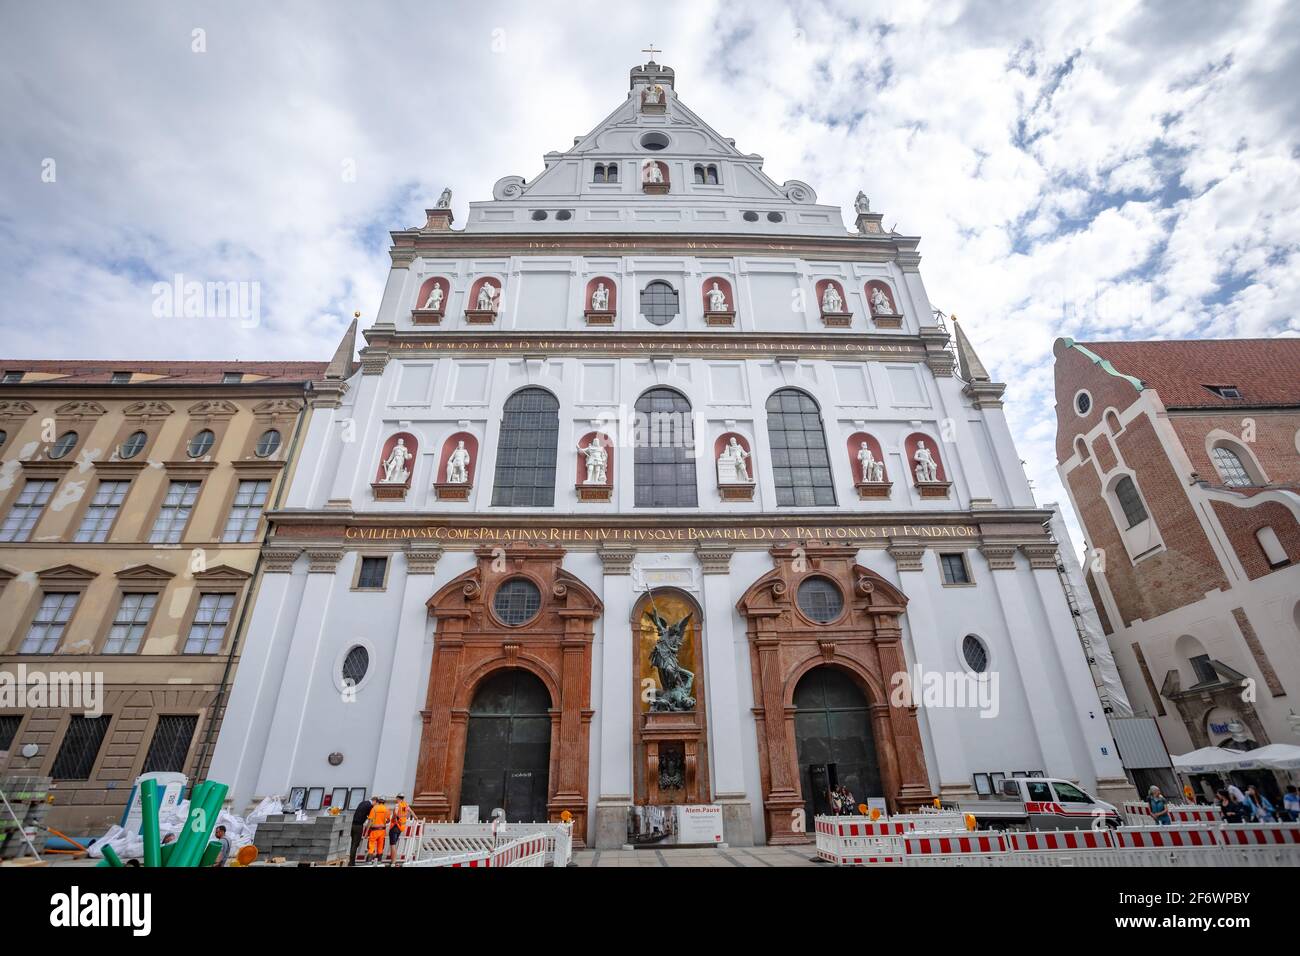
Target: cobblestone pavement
x,y
762,856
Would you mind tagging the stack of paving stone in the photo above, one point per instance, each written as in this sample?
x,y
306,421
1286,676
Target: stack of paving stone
x,y
29,799
322,839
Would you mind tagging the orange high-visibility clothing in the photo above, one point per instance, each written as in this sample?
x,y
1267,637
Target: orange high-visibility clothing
x,y
401,812
375,842
379,815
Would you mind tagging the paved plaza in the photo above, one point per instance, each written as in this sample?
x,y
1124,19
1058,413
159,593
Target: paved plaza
x,y
805,855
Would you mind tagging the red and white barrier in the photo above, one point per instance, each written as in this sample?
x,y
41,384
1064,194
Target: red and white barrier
x,y
953,849
857,841
525,851
1138,814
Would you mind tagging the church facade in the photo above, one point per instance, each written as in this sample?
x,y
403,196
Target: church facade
x,y
657,486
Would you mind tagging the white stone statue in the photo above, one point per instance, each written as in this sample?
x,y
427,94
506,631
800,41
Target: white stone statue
x,y
599,298
653,94
926,467
597,462
487,298
717,299
653,174
831,300
872,470
862,203
444,201
458,465
434,301
395,470
880,304
731,464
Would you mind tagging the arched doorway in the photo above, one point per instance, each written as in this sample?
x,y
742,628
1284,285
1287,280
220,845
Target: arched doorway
x,y
833,739
508,747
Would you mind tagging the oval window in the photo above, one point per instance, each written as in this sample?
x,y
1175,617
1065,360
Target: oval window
x,y
750,216
775,217
517,601
200,444
1083,403
539,215
64,444
820,600
355,665
655,141
564,215
268,444
133,445
975,653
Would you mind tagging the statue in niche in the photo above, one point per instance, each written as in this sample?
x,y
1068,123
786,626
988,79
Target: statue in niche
x,y
832,301
654,94
600,298
444,201
675,681
672,769
653,174
862,204
434,301
926,467
872,470
458,465
487,298
880,304
717,299
395,470
597,460
731,464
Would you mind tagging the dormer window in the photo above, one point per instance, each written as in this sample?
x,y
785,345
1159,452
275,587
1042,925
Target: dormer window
x,y
120,378
231,378
605,173
13,378
1225,391
706,175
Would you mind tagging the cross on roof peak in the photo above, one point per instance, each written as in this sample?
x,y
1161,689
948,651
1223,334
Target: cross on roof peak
x,y
652,51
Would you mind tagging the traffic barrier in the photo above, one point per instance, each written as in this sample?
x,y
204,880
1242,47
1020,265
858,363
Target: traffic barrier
x,y
857,841
523,851
954,849
428,840
1137,813
1260,844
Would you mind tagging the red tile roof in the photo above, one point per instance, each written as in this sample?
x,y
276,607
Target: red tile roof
x,y
74,372
1265,371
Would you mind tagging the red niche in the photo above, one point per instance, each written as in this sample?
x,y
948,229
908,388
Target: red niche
x,y
610,286
645,171
580,475
889,295
426,289
909,451
855,446
725,286
725,439
471,303
821,291
411,444
471,446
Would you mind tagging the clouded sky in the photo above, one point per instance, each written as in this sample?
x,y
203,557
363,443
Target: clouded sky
x,y
1116,170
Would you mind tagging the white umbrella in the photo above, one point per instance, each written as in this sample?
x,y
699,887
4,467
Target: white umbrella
x,y
1278,756
1215,760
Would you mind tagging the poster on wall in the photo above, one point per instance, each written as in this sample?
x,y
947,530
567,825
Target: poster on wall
x,y
681,825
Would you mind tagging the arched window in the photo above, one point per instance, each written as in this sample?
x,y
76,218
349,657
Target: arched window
x,y
1081,449
659,302
611,173
699,175
1127,494
711,175
1228,463
599,175
530,428
801,465
664,468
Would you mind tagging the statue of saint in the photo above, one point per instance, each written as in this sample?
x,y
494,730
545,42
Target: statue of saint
x,y
675,681
599,298
597,461
926,467
831,300
395,470
458,465
880,304
444,201
487,298
862,203
717,299
731,464
872,470
434,301
653,174
653,94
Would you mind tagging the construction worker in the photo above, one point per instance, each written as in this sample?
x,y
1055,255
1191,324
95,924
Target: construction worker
x,y
376,826
401,813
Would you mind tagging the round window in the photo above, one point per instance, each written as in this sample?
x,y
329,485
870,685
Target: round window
x,y
654,141
65,443
975,653
355,665
539,215
517,601
268,444
1083,403
775,217
133,445
750,216
200,444
820,600
564,215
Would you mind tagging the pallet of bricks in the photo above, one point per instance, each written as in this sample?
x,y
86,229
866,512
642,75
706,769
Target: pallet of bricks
x,y
23,821
322,840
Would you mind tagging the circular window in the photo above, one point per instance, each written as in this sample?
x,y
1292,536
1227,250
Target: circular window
x,y
564,215
200,444
1083,403
659,302
750,217
355,665
133,445
775,217
65,443
517,601
268,444
820,600
655,141
975,653
539,215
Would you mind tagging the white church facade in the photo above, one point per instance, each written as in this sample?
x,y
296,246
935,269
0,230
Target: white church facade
x,y
657,486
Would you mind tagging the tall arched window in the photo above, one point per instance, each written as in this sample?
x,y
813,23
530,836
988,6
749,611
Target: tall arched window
x,y
659,302
530,429
699,175
1228,464
711,175
801,465
664,468
1127,494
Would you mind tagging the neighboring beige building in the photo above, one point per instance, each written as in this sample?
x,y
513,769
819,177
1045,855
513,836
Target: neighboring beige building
x,y
131,502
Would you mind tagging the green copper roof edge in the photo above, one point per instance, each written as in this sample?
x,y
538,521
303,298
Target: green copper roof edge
x,y
1105,365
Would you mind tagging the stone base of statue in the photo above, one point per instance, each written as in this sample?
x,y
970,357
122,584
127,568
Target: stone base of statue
x,y
437,220
427,316
837,320
654,109
874,489
389,491
594,492
661,730
736,491
869,223
599,318
719,318
933,489
452,491
887,320
655,189
480,316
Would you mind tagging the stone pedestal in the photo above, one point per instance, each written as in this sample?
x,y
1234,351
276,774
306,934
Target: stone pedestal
x,y
427,316
655,189
594,492
837,320
447,491
874,489
737,492
599,318
610,824
888,320
654,109
933,489
388,491
480,316
659,730
437,220
720,318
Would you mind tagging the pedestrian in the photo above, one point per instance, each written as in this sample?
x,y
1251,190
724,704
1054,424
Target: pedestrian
x,y
359,818
846,799
1233,810
1159,807
834,795
376,827
1235,792
224,854
401,812
1291,804
1260,805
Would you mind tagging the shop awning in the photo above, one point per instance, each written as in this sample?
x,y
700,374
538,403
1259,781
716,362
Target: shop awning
x,y
1221,759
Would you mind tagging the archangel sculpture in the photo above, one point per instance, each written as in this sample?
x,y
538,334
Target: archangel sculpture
x,y
675,681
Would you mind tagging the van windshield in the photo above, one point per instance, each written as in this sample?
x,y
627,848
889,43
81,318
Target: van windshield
x,y
1068,793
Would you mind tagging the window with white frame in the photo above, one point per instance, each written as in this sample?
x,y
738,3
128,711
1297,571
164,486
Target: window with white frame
x,y
175,512
26,510
246,510
1130,502
129,624
47,627
101,514
1228,464
208,631
1274,553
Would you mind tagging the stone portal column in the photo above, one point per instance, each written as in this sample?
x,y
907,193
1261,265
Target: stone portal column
x,y
616,704
432,771
720,679
904,731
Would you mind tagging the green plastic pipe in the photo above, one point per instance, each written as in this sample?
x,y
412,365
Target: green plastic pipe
x,y
111,856
187,834
213,798
165,853
149,821
210,854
